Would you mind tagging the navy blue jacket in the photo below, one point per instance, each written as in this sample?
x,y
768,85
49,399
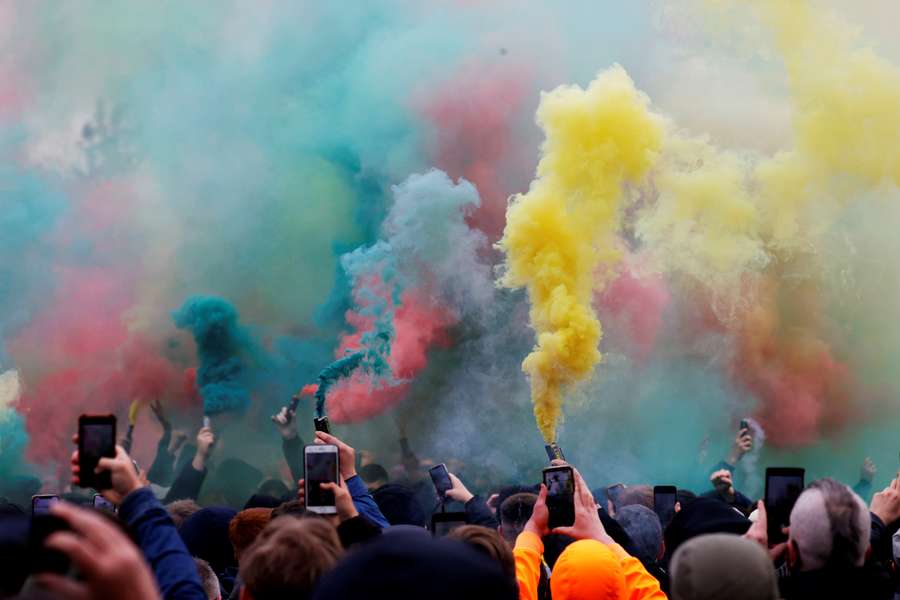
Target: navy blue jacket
x,y
172,564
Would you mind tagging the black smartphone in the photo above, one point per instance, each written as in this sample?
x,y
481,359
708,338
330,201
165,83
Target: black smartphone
x,y
443,523
560,482
322,424
664,498
744,425
96,440
783,486
41,503
40,558
440,477
320,463
103,504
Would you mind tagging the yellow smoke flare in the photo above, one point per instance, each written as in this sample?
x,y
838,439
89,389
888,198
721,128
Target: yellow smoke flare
x,y
563,228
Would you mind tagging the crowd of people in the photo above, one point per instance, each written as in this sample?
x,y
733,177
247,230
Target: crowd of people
x,y
259,541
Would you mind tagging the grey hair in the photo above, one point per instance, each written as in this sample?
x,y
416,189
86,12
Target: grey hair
x,y
830,526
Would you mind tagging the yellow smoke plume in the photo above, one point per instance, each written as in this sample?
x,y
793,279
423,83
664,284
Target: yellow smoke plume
x,y
563,228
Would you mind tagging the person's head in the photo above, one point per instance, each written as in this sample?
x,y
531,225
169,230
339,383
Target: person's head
x,y
245,527
635,494
275,488
703,516
488,542
722,566
587,570
830,528
399,506
373,475
181,510
409,564
288,559
514,513
205,533
643,527
294,508
208,579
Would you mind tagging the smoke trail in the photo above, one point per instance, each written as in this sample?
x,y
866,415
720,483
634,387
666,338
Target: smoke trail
x,y
13,438
221,346
560,231
408,288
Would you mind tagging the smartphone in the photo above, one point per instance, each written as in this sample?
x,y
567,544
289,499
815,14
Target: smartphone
x,y
664,498
560,482
440,477
783,486
96,440
320,463
40,558
443,523
744,425
322,424
41,503
103,504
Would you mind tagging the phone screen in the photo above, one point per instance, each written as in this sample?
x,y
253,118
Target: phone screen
x,y
40,505
664,498
783,487
101,502
441,479
96,439
560,482
321,467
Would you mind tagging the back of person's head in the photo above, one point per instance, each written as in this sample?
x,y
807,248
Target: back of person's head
x,y
722,566
635,494
399,506
409,565
234,480
273,487
181,510
205,533
489,542
373,475
685,497
262,501
514,513
643,527
830,527
245,527
700,517
288,559
294,508
208,579
587,570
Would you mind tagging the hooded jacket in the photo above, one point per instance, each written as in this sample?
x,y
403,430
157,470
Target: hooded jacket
x,y
586,570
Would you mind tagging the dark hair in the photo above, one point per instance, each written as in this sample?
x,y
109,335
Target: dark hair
x,y
289,557
488,542
515,512
294,508
273,487
373,472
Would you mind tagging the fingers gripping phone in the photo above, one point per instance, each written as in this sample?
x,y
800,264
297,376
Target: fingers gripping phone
x,y
560,482
783,486
320,462
664,498
440,477
96,440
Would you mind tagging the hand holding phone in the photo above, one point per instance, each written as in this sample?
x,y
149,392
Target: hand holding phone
x,y
41,503
321,465
440,477
96,440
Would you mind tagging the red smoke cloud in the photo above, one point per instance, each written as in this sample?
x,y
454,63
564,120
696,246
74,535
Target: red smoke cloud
x,y
419,324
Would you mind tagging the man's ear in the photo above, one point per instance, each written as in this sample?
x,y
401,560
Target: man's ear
x,y
793,556
662,550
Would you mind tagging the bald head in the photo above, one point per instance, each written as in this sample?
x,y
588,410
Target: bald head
x,y
830,526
